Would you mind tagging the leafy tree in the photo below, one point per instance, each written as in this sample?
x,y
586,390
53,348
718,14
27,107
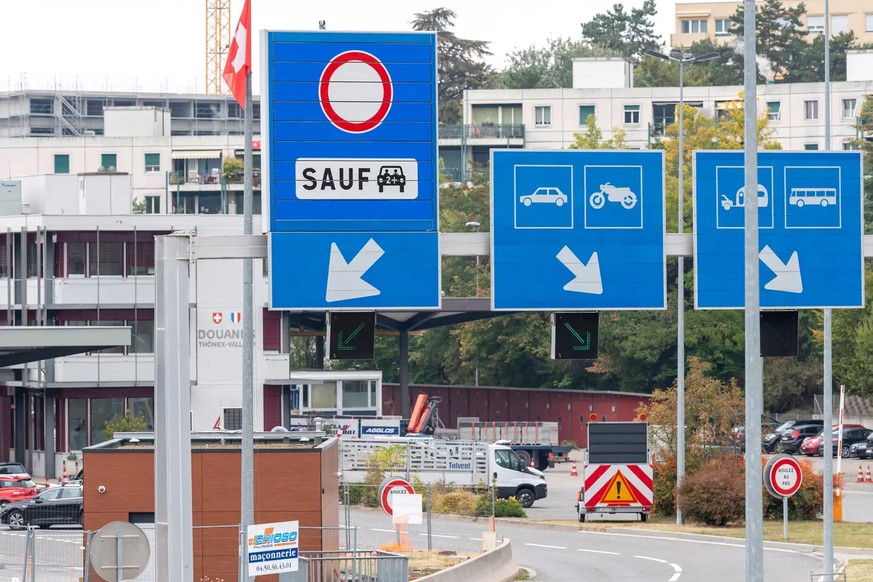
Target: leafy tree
x,y
138,206
653,72
627,33
810,62
126,423
592,138
780,39
460,63
547,67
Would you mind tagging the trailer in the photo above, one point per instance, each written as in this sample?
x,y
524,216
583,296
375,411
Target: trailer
x,y
617,473
532,441
467,464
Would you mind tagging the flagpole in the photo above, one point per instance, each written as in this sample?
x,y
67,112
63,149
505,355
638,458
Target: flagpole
x,y
247,505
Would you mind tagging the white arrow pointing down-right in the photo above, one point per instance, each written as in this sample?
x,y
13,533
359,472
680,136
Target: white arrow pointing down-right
x,y
787,277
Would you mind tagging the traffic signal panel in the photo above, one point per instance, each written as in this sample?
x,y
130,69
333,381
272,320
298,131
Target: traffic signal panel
x,y
574,336
351,335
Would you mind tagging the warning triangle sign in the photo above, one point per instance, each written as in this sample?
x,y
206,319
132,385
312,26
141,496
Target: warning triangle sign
x,y
617,492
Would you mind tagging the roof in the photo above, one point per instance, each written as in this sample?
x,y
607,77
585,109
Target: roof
x,y
19,345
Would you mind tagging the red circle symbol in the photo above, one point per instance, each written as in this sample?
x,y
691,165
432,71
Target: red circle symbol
x,y
785,476
366,72
396,485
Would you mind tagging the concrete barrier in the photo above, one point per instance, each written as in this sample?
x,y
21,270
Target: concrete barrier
x,y
494,566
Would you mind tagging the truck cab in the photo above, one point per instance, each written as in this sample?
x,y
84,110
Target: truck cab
x,y
514,478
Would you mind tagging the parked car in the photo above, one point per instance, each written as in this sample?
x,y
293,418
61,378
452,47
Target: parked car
x,y
771,439
54,506
13,470
850,436
13,490
791,439
862,449
813,445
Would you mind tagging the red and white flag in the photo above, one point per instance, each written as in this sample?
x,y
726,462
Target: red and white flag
x,y
239,58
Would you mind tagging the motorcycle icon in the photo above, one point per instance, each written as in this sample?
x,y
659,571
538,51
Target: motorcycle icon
x,y
614,194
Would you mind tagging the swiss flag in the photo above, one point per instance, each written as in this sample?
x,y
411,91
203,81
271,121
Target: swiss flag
x,y
239,58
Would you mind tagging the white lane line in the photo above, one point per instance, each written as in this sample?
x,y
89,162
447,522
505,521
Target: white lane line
x,y
677,574
598,552
692,541
652,559
475,539
545,546
441,536
383,530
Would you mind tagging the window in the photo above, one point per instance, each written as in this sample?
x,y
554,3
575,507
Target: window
x,y
153,162
42,106
773,113
869,22
109,162
810,146
143,407
631,114
694,26
542,115
850,146
106,259
142,337
62,163
839,24
849,108
584,112
810,109
355,394
722,26
78,408
815,23
153,204
77,258
104,410
233,419
234,111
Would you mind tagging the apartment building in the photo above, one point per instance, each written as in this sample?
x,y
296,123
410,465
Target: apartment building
x,y
697,21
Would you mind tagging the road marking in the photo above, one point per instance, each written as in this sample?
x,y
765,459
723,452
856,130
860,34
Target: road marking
x,y
598,552
545,546
677,574
476,539
383,530
441,536
652,559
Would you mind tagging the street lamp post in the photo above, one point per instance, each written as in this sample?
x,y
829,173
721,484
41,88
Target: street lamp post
x,y
681,58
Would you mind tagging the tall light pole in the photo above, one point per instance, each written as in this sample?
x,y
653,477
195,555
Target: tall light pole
x,y
680,57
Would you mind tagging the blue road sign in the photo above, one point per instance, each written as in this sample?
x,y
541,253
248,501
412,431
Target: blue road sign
x,y
810,229
350,270
576,229
350,131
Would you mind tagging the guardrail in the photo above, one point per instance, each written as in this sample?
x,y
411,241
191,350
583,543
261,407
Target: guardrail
x,y
360,566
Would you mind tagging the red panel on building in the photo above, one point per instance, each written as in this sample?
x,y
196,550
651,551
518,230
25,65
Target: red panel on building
x,y
498,404
272,406
272,331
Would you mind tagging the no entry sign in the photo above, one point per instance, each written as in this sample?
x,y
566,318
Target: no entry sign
x,y
783,476
389,488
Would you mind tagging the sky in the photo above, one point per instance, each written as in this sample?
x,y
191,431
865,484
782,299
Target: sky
x,y
159,44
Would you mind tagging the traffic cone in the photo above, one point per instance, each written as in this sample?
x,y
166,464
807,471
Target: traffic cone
x,y
573,472
860,474
532,464
869,476
64,478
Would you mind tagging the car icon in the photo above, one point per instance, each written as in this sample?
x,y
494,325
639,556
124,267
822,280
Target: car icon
x,y
391,176
544,196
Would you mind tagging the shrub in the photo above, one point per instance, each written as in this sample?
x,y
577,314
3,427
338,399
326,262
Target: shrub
x,y
456,502
502,507
664,486
362,495
716,493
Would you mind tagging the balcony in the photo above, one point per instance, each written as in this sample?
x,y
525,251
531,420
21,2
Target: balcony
x,y
106,368
103,290
211,182
482,134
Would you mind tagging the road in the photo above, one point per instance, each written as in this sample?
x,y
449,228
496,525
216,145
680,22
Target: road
x,y
562,553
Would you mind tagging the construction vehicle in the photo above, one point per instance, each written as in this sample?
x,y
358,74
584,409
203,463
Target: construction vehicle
x,y
425,416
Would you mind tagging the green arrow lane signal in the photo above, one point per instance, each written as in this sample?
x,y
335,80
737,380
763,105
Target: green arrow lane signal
x,y
343,344
584,344
574,335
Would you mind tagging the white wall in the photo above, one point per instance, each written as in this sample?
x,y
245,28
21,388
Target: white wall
x,y
136,121
602,73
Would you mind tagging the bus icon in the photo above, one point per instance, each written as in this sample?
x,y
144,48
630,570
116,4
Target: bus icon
x,y
823,197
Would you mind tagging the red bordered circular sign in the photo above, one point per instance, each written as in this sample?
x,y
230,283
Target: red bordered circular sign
x,y
783,476
355,91
393,486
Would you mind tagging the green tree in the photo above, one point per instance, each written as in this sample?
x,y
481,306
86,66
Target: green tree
x,y
460,61
626,33
592,138
126,423
810,62
547,67
654,72
138,206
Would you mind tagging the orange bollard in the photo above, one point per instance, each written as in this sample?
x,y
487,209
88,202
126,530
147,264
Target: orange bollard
x,y
838,504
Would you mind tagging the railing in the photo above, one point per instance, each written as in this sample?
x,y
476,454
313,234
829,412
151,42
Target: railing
x,y
484,131
361,566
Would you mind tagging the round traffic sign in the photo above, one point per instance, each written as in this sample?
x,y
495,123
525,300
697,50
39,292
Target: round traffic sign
x,y
390,487
783,476
355,91
119,551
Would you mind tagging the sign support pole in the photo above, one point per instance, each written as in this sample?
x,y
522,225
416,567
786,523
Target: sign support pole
x,y
754,369
247,453
784,518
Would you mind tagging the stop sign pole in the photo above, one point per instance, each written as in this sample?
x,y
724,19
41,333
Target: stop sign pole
x,y
782,477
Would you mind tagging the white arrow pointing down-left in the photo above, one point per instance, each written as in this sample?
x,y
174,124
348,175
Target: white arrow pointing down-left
x,y
344,278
